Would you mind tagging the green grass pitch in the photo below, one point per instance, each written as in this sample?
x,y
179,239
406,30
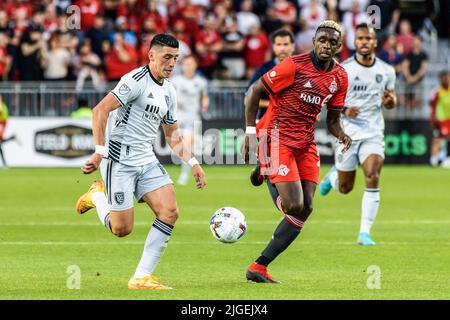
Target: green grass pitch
x,y
41,236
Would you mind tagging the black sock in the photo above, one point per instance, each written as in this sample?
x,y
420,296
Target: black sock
x,y
273,192
283,236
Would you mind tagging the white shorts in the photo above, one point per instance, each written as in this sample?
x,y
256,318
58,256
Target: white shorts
x,y
122,182
358,153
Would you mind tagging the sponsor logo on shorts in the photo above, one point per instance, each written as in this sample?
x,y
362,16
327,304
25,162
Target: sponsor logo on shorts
x,y
119,197
283,170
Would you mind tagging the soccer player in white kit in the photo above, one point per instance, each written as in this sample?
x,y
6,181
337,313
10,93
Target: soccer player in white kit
x,y
371,86
144,100
193,100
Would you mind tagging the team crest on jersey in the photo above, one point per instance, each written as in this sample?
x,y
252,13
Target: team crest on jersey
x,y
167,101
283,170
333,86
119,197
124,89
379,78
273,74
340,157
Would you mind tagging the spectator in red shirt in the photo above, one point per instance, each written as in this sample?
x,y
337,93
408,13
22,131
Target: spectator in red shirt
x,y
151,13
89,9
256,50
208,43
5,58
191,14
121,59
285,11
406,36
18,5
131,10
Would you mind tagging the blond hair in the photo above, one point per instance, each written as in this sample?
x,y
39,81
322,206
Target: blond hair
x,y
331,25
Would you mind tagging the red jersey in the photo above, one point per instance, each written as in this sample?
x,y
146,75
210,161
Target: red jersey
x,y
298,90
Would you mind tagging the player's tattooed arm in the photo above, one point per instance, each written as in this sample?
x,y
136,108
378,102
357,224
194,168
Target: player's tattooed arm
x,y
334,126
99,120
251,103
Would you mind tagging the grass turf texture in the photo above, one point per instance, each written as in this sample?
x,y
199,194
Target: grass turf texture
x,y
41,236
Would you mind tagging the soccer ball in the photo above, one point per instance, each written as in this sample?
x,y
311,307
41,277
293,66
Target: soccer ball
x,y
228,225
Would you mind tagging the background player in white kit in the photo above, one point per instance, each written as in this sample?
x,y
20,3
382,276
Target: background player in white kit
x,y
193,100
144,100
371,86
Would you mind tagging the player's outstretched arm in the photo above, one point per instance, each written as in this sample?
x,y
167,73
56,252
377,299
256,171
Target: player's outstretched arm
x,y
334,126
99,120
251,103
183,151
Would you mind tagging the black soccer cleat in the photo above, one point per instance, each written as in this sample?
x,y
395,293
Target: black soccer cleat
x,y
258,273
255,176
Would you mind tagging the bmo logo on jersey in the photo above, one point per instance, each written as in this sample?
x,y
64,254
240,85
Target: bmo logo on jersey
x,y
310,99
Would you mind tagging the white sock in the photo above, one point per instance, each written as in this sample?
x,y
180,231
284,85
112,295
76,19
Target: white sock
x,y
334,180
103,208
434,160
154,247
370,204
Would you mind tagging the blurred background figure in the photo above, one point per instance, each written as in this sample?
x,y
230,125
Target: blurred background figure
x,y
208,44
414,68
232,50
4,115
193,101
440,121
88,65
55,60
121,59
256,50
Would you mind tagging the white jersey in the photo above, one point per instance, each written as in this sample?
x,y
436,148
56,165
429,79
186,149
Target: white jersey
x,y
144,105
190,92
366,86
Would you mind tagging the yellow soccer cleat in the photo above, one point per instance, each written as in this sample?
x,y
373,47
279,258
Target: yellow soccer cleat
x,y
85,202
146,283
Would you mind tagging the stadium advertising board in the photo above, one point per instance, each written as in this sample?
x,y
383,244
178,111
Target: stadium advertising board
x,y
48,142
64,142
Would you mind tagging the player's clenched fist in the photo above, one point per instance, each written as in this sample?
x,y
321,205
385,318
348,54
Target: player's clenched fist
x,y
92,164
346,141
248,148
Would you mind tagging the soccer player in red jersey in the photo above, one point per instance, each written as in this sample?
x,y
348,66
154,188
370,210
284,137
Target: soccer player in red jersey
x,y
299,87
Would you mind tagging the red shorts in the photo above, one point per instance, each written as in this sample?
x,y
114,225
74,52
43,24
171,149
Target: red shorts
x,y
444,128
288,164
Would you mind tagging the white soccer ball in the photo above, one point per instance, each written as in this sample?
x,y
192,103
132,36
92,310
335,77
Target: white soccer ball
x,y
228,225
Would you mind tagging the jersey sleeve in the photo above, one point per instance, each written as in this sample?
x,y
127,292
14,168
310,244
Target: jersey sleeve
x,y
171,116
127,90
337,101
203,87
279,77
390,83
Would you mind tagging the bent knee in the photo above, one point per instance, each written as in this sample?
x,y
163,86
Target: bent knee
x,y
121,231
345,188
169,215
373,177
294,208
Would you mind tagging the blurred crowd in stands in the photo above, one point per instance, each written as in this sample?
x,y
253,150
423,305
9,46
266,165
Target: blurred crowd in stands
x,y
57,40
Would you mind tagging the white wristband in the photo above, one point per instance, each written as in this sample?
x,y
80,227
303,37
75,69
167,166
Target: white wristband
x,y
192,162
101,150
250,130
